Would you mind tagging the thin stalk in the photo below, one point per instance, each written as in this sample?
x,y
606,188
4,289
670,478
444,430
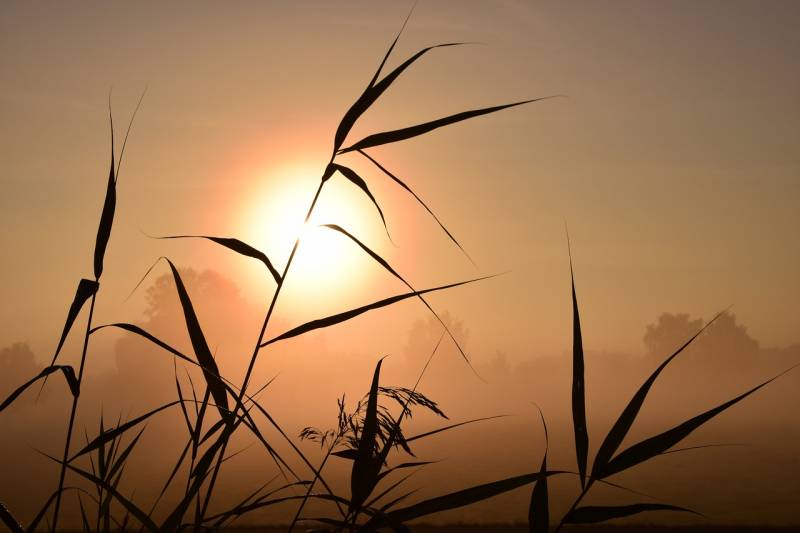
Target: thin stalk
x,y
227,432
580,497
72,415
317,474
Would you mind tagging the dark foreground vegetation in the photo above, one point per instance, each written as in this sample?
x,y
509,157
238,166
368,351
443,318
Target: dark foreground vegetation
x,y
367,434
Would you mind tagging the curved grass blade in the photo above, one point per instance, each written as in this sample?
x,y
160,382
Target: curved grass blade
x,y
347,315
626,419
43,511
403,134
137,513
468,496
109,205
591,514
8,519
237,246
111,435
423,204
359,182
451,426
375,90
385,264
658,444
69,375
365,469
578,383
539,508
142,333
86,289
201,349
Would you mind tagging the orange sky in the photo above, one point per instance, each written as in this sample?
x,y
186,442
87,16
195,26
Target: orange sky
x,y
673,158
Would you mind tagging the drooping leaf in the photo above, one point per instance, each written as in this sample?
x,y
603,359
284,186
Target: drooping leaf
x,y
365,466
578,384
649,448
86,289
237,246
423,204
539,508
69,375
385,264
201,349
110,435
107,216
387,137
347,315
626,419
374,91
143,333
591,514
359,182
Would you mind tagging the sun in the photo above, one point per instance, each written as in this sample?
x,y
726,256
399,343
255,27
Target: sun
x,y
327,266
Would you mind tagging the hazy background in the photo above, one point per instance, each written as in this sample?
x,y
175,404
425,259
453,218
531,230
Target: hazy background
x,y
673,158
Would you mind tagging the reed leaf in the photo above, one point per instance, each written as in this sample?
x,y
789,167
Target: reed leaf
x,y
109,436
539,507
8,519
137,513
69,376
626,419
591,514
662,442
403,134
107,215
352,313
385,264
578,384
86,289
464,497
365,469
375,90
419,200
359,182
237,246
452,426
201,350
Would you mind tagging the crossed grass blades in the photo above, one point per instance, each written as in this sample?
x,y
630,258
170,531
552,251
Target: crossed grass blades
x,y
216,408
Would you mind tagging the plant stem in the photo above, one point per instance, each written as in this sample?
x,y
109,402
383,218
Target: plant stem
x,y
227,432
574,504
72,415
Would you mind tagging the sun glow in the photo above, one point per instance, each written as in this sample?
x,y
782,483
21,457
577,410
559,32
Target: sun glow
x,y
327,265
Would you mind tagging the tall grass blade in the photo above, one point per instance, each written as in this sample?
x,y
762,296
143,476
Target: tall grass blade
x,y
8,519
662,442
201,349
359,182
578,384
539,507
86,289
626,419
237,246
84,519
69,376
107,216
591,514
347,315
423,204
365,467
403,134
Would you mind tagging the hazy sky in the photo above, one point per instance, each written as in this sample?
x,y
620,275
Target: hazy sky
x,y
673,158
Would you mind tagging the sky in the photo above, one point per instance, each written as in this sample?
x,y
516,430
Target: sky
x,y
670,153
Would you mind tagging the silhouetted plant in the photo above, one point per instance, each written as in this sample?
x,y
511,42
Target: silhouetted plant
x,y
366,436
